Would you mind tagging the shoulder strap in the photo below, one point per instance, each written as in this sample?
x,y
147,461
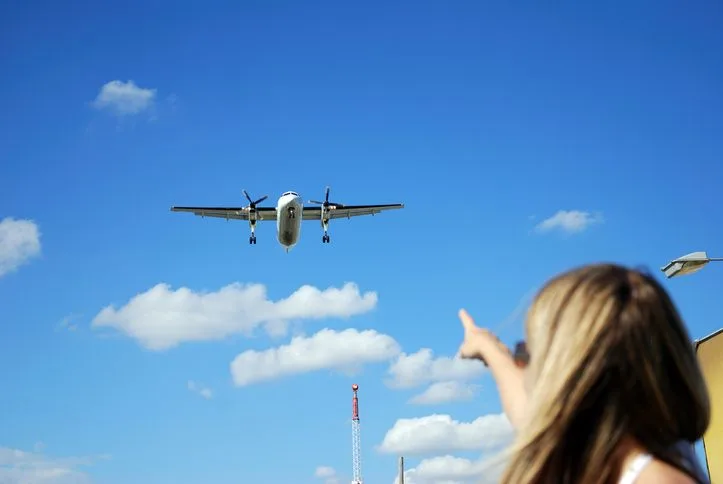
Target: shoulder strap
x,y
637,466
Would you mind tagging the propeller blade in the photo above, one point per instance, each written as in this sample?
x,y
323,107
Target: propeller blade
x,y
326,201
252,203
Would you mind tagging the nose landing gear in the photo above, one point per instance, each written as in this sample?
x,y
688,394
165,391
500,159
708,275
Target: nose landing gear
x,y
325,239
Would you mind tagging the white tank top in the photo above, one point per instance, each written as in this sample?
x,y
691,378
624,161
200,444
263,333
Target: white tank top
x,y
689,460
635,468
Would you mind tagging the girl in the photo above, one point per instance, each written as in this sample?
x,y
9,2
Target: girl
x,y
610,391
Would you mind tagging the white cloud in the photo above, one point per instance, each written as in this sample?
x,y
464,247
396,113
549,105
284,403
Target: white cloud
x,y
420,368
448,469
68,323
445,392
327,349
21,467
436,434
124,98
204,391
324,471
19,242
327,474
161,318
569,221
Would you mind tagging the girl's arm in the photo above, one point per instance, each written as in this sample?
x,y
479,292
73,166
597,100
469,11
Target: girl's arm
x,y
483,345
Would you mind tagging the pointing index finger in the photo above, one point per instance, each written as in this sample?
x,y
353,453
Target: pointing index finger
x,y
466,319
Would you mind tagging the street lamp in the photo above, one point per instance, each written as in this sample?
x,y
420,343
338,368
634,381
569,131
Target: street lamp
x,y
687,264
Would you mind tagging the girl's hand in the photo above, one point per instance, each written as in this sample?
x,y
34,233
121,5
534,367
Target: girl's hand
x,y
478,341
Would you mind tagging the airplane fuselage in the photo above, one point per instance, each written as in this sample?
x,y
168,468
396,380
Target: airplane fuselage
x,y
289,214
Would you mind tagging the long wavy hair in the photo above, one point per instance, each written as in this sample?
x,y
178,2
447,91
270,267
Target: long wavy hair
x,y
610,358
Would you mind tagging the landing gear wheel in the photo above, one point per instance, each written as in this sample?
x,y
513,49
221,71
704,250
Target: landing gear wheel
x,y
325,239
252,240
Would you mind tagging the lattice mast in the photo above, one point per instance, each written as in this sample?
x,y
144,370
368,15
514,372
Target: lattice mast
x,y
355,438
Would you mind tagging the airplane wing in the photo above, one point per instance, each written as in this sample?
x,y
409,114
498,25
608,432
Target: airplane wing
x,y
348,211
229,213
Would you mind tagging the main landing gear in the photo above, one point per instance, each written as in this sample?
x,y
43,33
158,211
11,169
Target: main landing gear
x,y
325,225
252,238
326,205
253,215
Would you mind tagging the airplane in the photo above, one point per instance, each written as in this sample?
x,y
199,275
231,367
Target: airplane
x,y
288,214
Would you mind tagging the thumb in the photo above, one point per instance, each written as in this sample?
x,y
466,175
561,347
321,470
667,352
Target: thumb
x,y
467,321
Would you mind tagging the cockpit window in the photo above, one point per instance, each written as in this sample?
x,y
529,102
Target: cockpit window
x,y
290,193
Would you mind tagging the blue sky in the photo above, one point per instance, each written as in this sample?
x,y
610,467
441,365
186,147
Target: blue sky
x,y
484,119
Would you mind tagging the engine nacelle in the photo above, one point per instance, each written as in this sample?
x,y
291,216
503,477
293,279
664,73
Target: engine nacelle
x,y
324,215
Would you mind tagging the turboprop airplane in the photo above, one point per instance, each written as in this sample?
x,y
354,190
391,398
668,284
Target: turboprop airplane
x,y
288,213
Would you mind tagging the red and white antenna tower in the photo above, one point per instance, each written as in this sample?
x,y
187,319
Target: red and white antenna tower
x,y
355,438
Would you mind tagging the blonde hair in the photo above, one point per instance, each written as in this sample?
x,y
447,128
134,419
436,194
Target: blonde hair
x,y
609,358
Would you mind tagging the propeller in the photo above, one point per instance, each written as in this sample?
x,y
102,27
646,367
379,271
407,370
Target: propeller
x,y
326,203
252,203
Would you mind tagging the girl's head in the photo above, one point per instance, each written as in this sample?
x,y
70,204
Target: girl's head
x,y
609,357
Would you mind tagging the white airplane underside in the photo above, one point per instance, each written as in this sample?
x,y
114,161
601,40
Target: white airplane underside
x,y
288,214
